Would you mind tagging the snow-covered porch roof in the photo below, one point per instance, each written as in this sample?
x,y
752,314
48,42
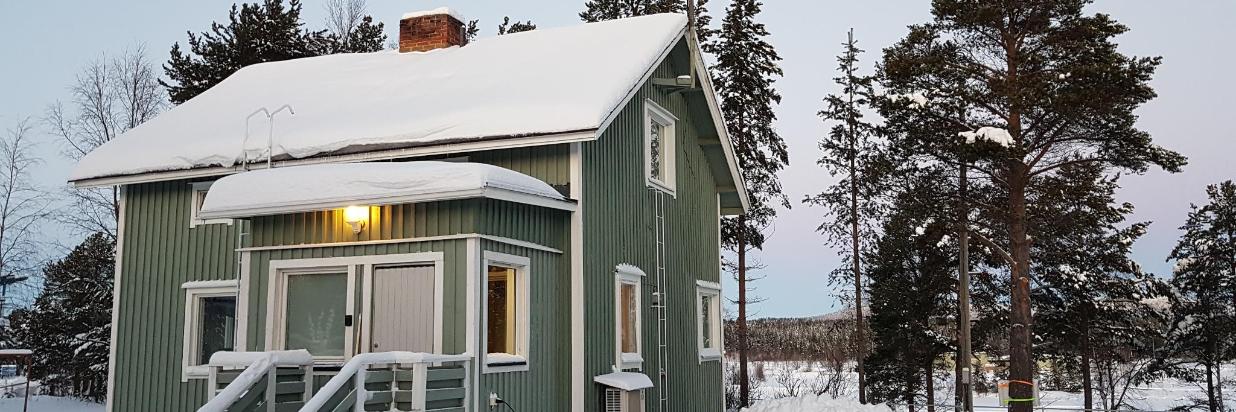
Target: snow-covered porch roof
x,y
627,381
331,186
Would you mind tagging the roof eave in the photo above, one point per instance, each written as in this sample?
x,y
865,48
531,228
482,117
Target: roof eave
x,y
388,154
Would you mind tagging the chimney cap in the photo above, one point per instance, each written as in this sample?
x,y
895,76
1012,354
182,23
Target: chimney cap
x,y
440,10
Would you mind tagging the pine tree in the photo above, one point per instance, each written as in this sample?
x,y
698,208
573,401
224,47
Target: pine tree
x,y
744,74
911,288
601,10
69,325
1053,88
1086,279
1205,277
507,27
851,154
257,33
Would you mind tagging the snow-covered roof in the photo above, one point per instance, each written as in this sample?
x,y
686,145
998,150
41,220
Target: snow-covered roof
x,y
555,81
331,186
627,381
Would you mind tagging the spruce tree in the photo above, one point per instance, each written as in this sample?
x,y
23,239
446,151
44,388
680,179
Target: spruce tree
x,y
911,288
1052,88
518,26
1205,277
1087,304
851,154
744,74
69,325
256,33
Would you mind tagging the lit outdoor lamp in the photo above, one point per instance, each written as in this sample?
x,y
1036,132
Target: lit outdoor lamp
x,y
356,217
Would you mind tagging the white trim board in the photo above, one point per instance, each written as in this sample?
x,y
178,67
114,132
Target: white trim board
x,y
578,381
499,239
111,350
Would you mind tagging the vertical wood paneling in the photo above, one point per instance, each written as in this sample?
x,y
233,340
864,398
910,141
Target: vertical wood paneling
x,y
619,228
161,253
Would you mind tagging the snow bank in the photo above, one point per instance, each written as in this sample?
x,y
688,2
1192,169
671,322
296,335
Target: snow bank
x,y
813,403
545,81
330,186
993,134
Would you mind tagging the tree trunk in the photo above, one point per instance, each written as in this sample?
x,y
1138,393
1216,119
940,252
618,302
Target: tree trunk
x,y
744,385
1219,386
860,348
1021,364
931,389
1087,385
958,397
1210,388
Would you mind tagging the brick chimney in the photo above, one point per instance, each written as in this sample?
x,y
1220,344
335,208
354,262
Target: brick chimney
x,y
429,30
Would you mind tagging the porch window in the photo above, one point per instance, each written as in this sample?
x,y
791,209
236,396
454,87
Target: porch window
x,y
708,310
210,324
506,313
659,146
316,318
627,306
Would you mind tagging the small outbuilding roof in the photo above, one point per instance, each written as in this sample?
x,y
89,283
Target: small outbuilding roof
x,y
627,381
330,186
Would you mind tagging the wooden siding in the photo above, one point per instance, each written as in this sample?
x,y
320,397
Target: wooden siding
x,y
619,227
160,254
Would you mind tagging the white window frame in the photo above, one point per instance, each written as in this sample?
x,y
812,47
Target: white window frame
x,y
629,275
194,293
523,270
711,289
280,271
195,206
654,112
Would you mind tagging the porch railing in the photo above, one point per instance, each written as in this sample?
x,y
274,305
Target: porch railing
x,y
259,381
403,381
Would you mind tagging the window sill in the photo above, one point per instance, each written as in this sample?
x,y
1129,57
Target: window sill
x,y
202,222
502,362
708,355
194,372
659,185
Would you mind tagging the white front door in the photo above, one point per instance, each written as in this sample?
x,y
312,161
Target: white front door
x,y
403,309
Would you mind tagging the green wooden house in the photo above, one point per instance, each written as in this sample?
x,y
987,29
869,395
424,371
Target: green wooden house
x,y
529,219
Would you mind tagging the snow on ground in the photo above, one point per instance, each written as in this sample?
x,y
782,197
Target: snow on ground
x,y
41,403
773,390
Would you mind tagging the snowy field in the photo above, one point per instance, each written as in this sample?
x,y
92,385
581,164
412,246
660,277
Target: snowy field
x,y
782,379
11,400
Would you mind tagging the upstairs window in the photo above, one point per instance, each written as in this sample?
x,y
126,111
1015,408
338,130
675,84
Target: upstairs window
x,y
708,310
198,198
627,309
659,146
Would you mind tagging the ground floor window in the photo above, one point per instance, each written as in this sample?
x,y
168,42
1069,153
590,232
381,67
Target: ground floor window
x,y
210,324
628,299
506,312
708,310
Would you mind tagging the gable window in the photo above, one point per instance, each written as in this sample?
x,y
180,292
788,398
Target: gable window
x,y
506,313
659,146
708,312
210,324
199,190
627,309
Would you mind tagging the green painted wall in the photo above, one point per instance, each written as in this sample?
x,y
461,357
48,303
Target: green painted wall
x,y
160,253
619,228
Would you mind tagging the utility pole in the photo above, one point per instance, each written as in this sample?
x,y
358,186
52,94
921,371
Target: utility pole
x,y
963,295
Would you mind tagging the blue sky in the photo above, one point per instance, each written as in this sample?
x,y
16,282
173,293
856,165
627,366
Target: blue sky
x,y
47,42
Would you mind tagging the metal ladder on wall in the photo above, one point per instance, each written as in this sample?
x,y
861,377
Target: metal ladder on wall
x,y
660,303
